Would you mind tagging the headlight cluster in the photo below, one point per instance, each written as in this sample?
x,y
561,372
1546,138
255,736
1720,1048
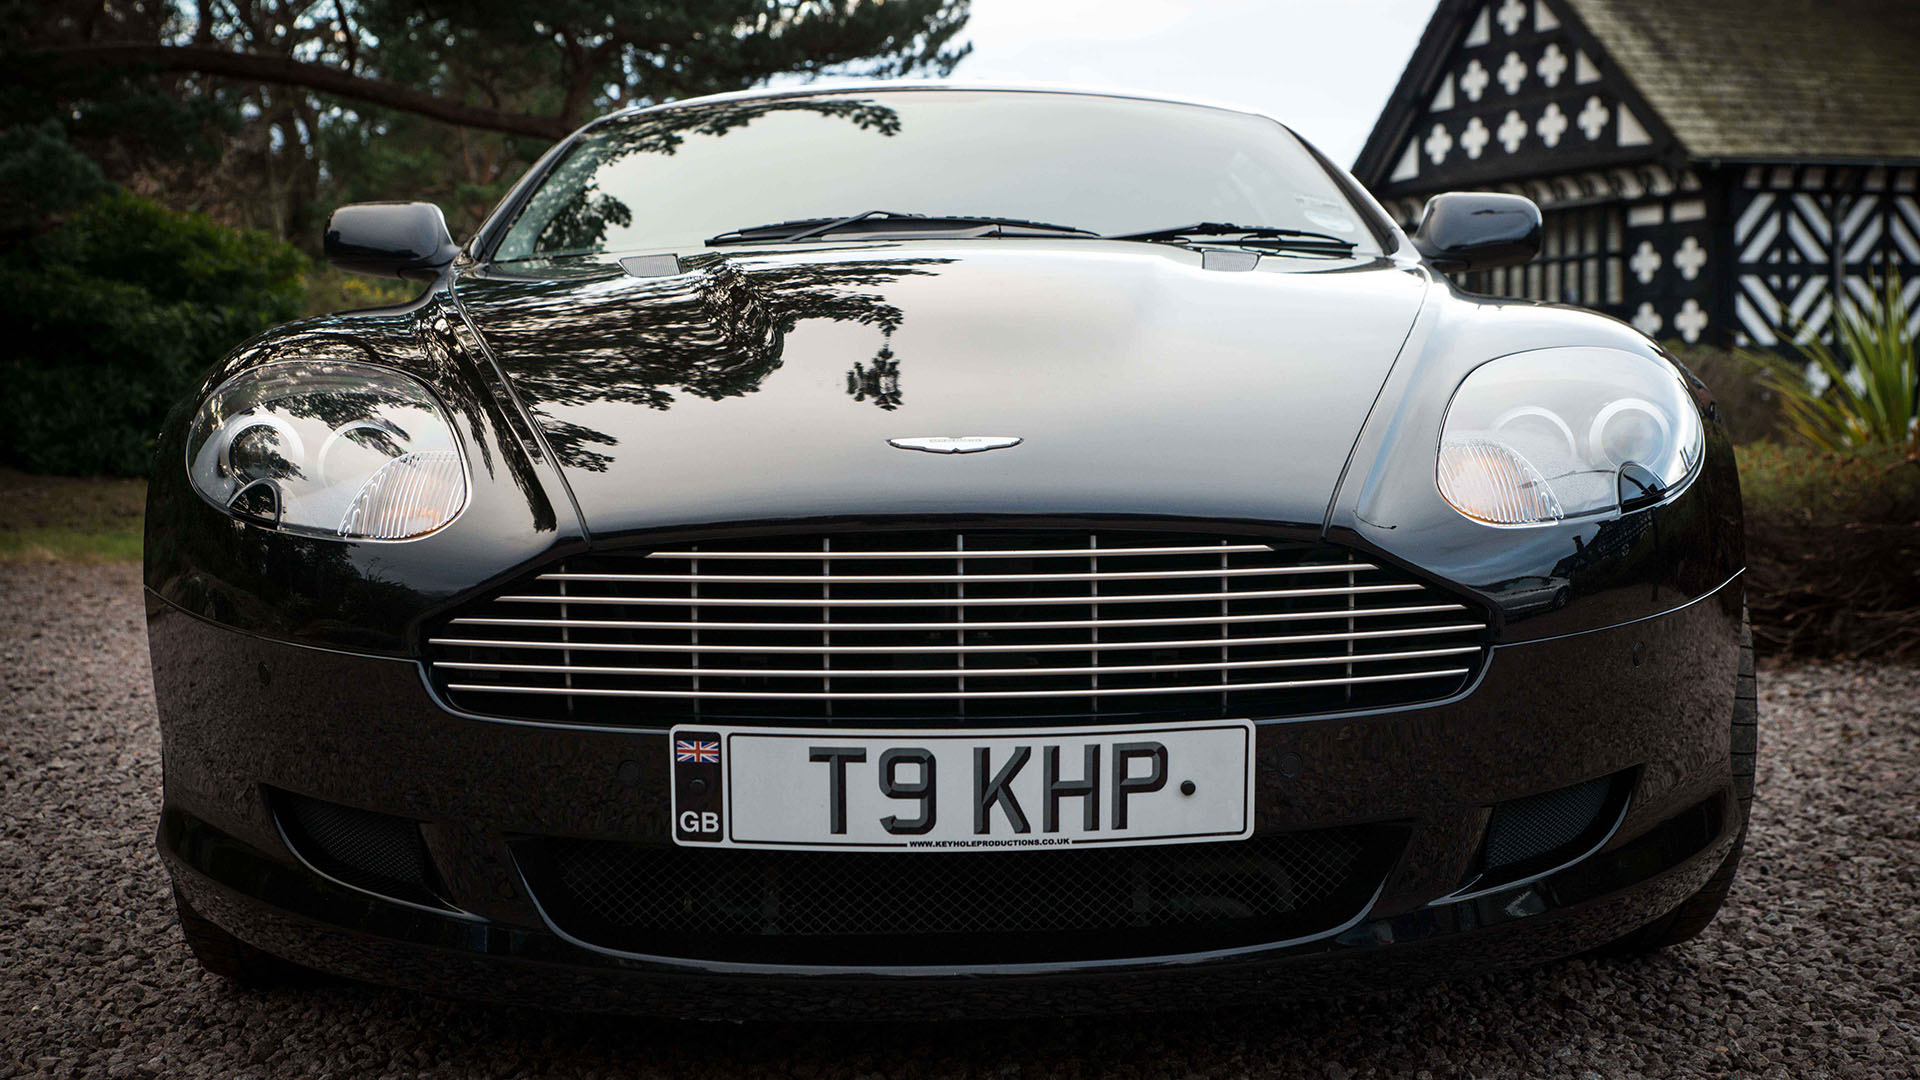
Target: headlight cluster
x,y
329,449
1537,437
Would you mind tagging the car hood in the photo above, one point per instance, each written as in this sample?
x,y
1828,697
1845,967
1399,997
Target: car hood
x,y
752,386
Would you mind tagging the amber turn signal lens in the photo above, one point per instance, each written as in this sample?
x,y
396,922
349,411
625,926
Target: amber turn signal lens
x,y
1490,481
412,495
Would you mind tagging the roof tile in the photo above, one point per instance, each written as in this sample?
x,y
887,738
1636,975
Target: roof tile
x,y
1801,79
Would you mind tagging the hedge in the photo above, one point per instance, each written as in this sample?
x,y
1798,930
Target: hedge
x,y
112,313
1833,551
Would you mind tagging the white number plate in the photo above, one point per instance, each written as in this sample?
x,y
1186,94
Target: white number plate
x,y
962,791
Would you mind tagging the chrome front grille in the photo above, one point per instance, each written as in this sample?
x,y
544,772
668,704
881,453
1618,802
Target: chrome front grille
x,y
997,626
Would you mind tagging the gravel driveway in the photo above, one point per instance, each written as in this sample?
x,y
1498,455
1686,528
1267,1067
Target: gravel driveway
x,y
1813,971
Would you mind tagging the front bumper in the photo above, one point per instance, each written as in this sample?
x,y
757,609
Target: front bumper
x,y
1649,700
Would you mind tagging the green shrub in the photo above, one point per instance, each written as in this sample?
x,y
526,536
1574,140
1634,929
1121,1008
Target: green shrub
x,y
1872,392
1833,550
42,176
113,313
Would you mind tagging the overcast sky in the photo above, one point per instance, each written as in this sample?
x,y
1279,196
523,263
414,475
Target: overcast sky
x,y
1325,67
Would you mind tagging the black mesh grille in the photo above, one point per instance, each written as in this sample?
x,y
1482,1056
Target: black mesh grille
x,y
982,626
376,852
1551,824
903,908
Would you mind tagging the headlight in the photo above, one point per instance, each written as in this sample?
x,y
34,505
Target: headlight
x,y
1559,433
328,449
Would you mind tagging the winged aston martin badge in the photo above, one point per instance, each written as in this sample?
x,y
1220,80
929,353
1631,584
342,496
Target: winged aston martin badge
x,y
956,444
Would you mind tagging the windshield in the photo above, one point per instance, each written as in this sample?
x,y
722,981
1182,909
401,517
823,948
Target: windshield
x,y
1109,165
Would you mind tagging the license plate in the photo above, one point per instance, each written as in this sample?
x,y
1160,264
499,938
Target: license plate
x,y
840,790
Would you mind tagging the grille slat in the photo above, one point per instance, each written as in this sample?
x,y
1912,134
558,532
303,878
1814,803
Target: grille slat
x,y
978,673
984,626
962,582
1357,635
976,579
947,555
835,695
1045,624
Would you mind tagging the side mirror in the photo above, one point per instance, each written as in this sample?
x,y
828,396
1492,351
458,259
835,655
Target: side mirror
x,y
390,239
1478,231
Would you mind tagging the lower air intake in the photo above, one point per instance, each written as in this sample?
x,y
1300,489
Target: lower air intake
x,y
888,908
1550,827
378,853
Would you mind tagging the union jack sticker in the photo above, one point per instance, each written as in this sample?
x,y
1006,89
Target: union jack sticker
x,y
698,751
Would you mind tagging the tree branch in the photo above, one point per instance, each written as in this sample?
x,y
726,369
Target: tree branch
x,y
285,71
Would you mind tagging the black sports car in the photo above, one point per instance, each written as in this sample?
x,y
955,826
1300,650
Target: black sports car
x,y
925,551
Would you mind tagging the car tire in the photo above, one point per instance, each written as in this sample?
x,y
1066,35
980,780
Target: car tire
x,y
230,958
1696,911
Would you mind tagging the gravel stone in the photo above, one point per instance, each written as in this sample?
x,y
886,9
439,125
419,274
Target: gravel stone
x,y
1813,970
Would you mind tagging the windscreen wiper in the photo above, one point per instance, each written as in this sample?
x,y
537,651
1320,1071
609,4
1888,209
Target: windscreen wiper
x,y
891,223
1249,236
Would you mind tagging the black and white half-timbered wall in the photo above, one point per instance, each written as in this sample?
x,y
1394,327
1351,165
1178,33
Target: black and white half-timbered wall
x,y
1712,171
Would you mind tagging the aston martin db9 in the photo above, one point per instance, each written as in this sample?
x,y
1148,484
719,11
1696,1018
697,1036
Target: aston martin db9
x,y
936,551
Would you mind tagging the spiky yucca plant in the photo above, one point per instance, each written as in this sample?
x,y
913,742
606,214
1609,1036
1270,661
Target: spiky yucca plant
x,y
1872,392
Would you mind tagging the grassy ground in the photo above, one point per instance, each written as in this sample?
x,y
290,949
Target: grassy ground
x,y
69,519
